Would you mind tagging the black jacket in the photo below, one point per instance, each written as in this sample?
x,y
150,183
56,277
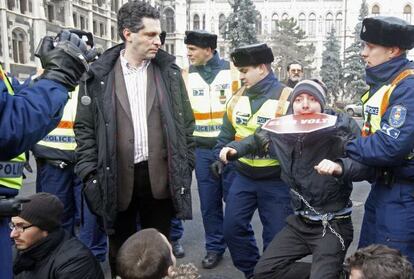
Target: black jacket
x,y
58,256
95,130
299,153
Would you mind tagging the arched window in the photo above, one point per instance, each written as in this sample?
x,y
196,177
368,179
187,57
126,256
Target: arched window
x,y
328,23
312,25
19,40
196,22
259,24
222,25
275,19
407,13
204,22
302,22
338,24
285,16
169,20
375,10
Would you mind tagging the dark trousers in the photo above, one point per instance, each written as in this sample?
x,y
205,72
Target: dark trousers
x,y
300,238
152,213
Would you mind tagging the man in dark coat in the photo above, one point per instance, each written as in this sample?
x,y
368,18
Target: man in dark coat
x,y
44,249
133,129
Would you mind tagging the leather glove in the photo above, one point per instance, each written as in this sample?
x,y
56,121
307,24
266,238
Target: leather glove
x,y
217,169
64,58
262,140
92,194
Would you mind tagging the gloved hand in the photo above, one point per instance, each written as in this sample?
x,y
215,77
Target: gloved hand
x,y
92,194
217,169
262,140
64,58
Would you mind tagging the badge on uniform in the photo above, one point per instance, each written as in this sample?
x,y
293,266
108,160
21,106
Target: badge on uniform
x,y
198,92
397,116
390,131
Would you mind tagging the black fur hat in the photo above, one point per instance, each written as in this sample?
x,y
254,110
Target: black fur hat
x,y
251,55
201,38
388,31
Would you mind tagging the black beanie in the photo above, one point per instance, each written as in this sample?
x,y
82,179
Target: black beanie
x,y
312,88
44,210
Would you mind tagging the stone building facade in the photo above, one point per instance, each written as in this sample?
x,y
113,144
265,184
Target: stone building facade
x,y
25,22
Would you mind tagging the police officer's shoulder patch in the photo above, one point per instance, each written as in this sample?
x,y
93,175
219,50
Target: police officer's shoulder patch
x,y
390,131
397,116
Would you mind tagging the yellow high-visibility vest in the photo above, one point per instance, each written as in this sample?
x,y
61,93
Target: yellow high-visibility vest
x,y
63,137
11,172
208,101
245,123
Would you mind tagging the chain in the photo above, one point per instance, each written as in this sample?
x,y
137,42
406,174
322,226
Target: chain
x,y
324,218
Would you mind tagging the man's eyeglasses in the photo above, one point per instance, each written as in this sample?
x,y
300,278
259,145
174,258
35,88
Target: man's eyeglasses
x,y
19,229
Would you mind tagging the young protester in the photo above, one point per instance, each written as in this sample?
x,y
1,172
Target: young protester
x,y
321,224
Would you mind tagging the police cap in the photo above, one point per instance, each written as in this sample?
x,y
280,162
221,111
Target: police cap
x,y
201,38
388,31
251,55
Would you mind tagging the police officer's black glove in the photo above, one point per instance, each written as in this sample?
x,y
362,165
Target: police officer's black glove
x,y
262,140
64,58
217,168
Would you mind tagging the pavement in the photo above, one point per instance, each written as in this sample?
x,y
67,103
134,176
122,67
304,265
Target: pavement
x,y
193,240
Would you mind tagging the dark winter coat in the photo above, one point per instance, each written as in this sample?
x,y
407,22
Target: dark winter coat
x,y
299,153
96,133
58,256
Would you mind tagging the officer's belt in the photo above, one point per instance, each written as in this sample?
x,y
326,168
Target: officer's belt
x,y
395,180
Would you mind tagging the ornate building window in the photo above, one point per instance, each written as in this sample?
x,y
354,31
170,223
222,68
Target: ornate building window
x,y
19,40
302,22
222,25
275,18
204,22
285,16
196,22
338,24
258,24
312,25
407,13
375,10
169,20
328,23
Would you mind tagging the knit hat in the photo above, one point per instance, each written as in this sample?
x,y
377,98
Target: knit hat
x,y
388,31
201,39
317,89
44,210
251,55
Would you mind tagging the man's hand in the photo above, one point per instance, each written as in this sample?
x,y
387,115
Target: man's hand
x,y
328,167
227,153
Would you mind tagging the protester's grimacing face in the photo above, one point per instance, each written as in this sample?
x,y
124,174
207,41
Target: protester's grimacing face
x,y
146,42
30,236
198,55
250,75
374,55
295,72
306,104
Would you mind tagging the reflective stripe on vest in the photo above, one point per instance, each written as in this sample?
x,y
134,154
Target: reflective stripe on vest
x,y
245,124
63,137
374,106
209,101
11,172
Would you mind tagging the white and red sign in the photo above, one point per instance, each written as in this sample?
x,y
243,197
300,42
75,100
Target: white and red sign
x,y
295,124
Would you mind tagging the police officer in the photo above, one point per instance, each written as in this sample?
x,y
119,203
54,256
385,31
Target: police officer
x,y
388,134
55,158
210,82
30,113
257,184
